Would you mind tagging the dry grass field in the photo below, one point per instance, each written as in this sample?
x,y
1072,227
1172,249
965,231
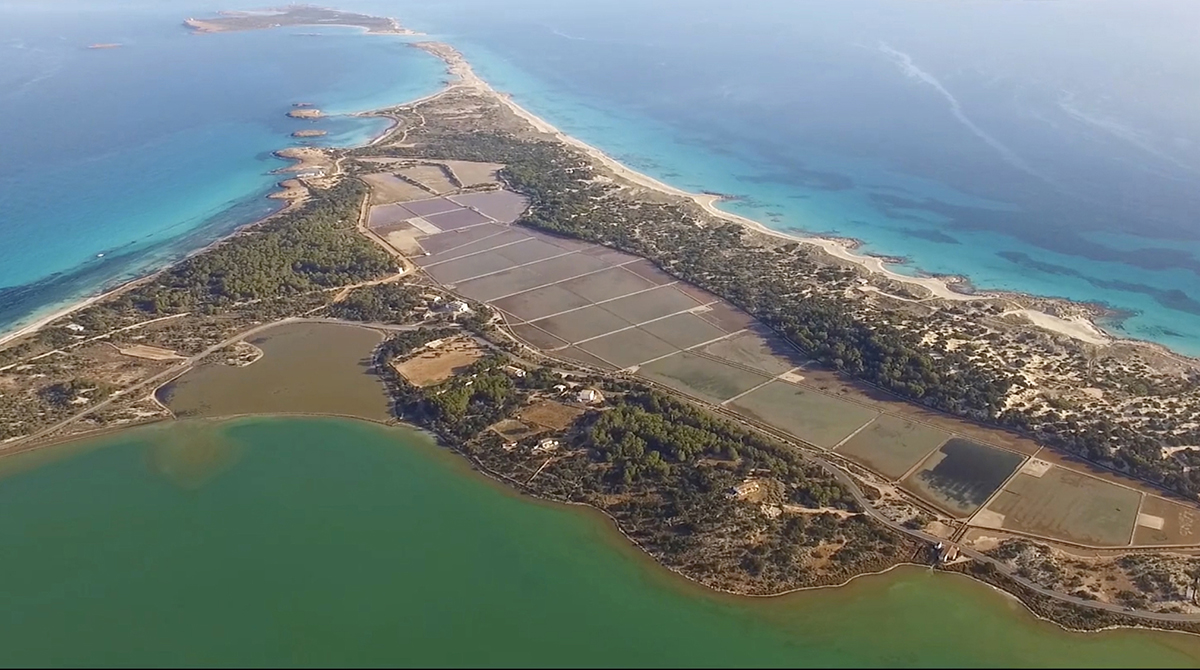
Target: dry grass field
x,y
1166,522
612,311
892,445
550,415
812,416
431,177
386,188
1049,501
435,365
149,353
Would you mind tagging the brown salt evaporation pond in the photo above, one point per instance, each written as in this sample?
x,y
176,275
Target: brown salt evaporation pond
x,y
306,368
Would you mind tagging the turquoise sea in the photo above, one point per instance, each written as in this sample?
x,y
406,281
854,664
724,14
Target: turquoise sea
x,y
1008,142
116,161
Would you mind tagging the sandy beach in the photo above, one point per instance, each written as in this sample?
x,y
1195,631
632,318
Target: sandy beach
x,y
463,75
1077,327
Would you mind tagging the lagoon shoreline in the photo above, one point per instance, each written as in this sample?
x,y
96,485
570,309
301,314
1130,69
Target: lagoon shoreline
x,y
939,288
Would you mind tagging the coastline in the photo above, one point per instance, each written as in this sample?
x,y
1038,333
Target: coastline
x,y
1078,327
837,247
284,191
511,486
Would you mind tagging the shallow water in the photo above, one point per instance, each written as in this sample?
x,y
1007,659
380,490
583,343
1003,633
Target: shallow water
x,y
1005,142
305,368
323,542
115,161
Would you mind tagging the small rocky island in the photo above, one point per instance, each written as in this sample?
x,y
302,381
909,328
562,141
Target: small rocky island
x,y
295,15
306,113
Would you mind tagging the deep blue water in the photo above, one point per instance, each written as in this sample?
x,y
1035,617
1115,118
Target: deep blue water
x,y
1047,147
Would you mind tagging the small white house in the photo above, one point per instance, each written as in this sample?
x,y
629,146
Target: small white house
x,y
590,396
457,307
548,444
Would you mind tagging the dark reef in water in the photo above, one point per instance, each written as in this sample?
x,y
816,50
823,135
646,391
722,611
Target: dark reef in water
x,y
931,235
1169,298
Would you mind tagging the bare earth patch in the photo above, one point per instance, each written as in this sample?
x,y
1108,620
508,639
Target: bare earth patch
x,y
550,414
440,363
150,353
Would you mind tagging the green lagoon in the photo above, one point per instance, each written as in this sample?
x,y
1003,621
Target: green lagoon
x,y
307,541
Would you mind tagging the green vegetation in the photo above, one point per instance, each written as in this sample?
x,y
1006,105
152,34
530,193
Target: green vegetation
x,y
382,303
565,202
311,249
805,299
667,471
286,266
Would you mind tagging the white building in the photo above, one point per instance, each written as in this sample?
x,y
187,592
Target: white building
x,y
589,396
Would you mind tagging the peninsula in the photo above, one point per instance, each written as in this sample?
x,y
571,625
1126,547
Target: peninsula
x,y
759,412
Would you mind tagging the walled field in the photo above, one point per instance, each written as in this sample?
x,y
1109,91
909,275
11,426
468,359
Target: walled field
x,y
503,206
649,271
892,445
628,348
429,176
541,302
388,188
474,174
536,337
753,351
582,324
1163,521
609,310
455,241
550,415
513,430
608,284
436,365
813,417
650,304
459,218
961,475
1055,502
150,353
701,377
684,330
431,206
581,356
